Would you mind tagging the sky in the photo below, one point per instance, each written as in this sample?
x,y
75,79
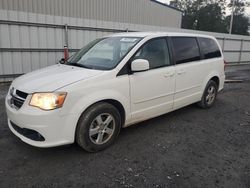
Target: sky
x,y
227,11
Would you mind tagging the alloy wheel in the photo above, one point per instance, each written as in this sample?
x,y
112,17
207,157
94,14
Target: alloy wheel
x,y
102,128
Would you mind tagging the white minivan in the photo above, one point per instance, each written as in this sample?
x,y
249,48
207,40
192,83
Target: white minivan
x,y
114,82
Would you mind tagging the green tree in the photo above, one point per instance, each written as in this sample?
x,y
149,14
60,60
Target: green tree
x,y
240,21
240,24
205,15
211,18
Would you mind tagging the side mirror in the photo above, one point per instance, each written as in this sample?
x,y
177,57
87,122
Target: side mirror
x,y
62,61
139,65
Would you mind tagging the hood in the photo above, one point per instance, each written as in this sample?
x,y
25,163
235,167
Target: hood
x,y
52,78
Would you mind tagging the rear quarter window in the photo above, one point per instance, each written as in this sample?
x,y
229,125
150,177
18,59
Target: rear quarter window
x,y
209,48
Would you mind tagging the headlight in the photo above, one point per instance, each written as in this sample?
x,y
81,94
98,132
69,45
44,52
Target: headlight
x,y
48,101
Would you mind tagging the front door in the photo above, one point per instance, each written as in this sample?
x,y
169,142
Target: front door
x,y
152,91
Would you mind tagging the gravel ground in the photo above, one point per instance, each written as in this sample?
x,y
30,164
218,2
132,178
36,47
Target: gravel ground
x,y
190,147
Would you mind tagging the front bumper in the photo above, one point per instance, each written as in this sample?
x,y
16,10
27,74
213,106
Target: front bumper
x,y
56,129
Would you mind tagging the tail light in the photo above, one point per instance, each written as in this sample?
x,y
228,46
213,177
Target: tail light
x,y
225,64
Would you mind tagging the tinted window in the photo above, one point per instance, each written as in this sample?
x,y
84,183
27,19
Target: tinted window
x,y
210,48
156,52
186,49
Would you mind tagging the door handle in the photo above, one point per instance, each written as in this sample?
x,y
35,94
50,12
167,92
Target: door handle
x,y
168,74
181,72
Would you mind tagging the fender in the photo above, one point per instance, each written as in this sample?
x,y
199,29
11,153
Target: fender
x,y
91,98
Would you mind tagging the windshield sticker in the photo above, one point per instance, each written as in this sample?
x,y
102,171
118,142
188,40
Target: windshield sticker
x,y
128,40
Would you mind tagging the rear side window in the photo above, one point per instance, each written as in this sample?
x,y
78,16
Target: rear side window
x,y
186,49
209,48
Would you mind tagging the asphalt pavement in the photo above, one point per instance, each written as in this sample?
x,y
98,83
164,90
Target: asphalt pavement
x,y
190,147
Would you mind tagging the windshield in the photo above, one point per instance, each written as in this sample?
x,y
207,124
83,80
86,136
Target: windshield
x,y
103,54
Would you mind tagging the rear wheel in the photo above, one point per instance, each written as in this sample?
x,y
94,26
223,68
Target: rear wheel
x,y
209,95
98,127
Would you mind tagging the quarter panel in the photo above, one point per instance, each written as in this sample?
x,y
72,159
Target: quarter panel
x,y
217,70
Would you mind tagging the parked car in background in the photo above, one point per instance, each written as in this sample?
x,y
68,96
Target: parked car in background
x,y
114,82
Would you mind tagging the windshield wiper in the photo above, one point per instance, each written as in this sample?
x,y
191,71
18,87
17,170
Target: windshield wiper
x,y
78,65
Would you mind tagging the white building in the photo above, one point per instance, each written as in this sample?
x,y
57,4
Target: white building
x,y
33,32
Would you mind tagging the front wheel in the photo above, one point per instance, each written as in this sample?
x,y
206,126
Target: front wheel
x,y
98,127
209,95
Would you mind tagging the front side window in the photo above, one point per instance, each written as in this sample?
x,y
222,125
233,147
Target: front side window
x,y
156,52
209,48
186,49
103,54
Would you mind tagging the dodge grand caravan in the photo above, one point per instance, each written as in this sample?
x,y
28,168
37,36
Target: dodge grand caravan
x,y
113,82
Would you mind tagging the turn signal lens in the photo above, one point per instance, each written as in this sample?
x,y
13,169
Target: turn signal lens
x,y
48,101
225,64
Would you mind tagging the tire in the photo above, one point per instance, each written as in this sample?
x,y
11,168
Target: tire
x,y
209,95
98,127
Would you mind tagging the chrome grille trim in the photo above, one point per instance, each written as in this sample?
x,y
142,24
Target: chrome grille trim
x,y
16,101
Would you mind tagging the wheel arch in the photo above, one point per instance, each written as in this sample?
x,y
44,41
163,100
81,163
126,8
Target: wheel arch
x,y
216,79
212,76
117,104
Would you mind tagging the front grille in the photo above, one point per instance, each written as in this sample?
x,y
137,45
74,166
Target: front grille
x,y
21,94
17,98
16,102
28,133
